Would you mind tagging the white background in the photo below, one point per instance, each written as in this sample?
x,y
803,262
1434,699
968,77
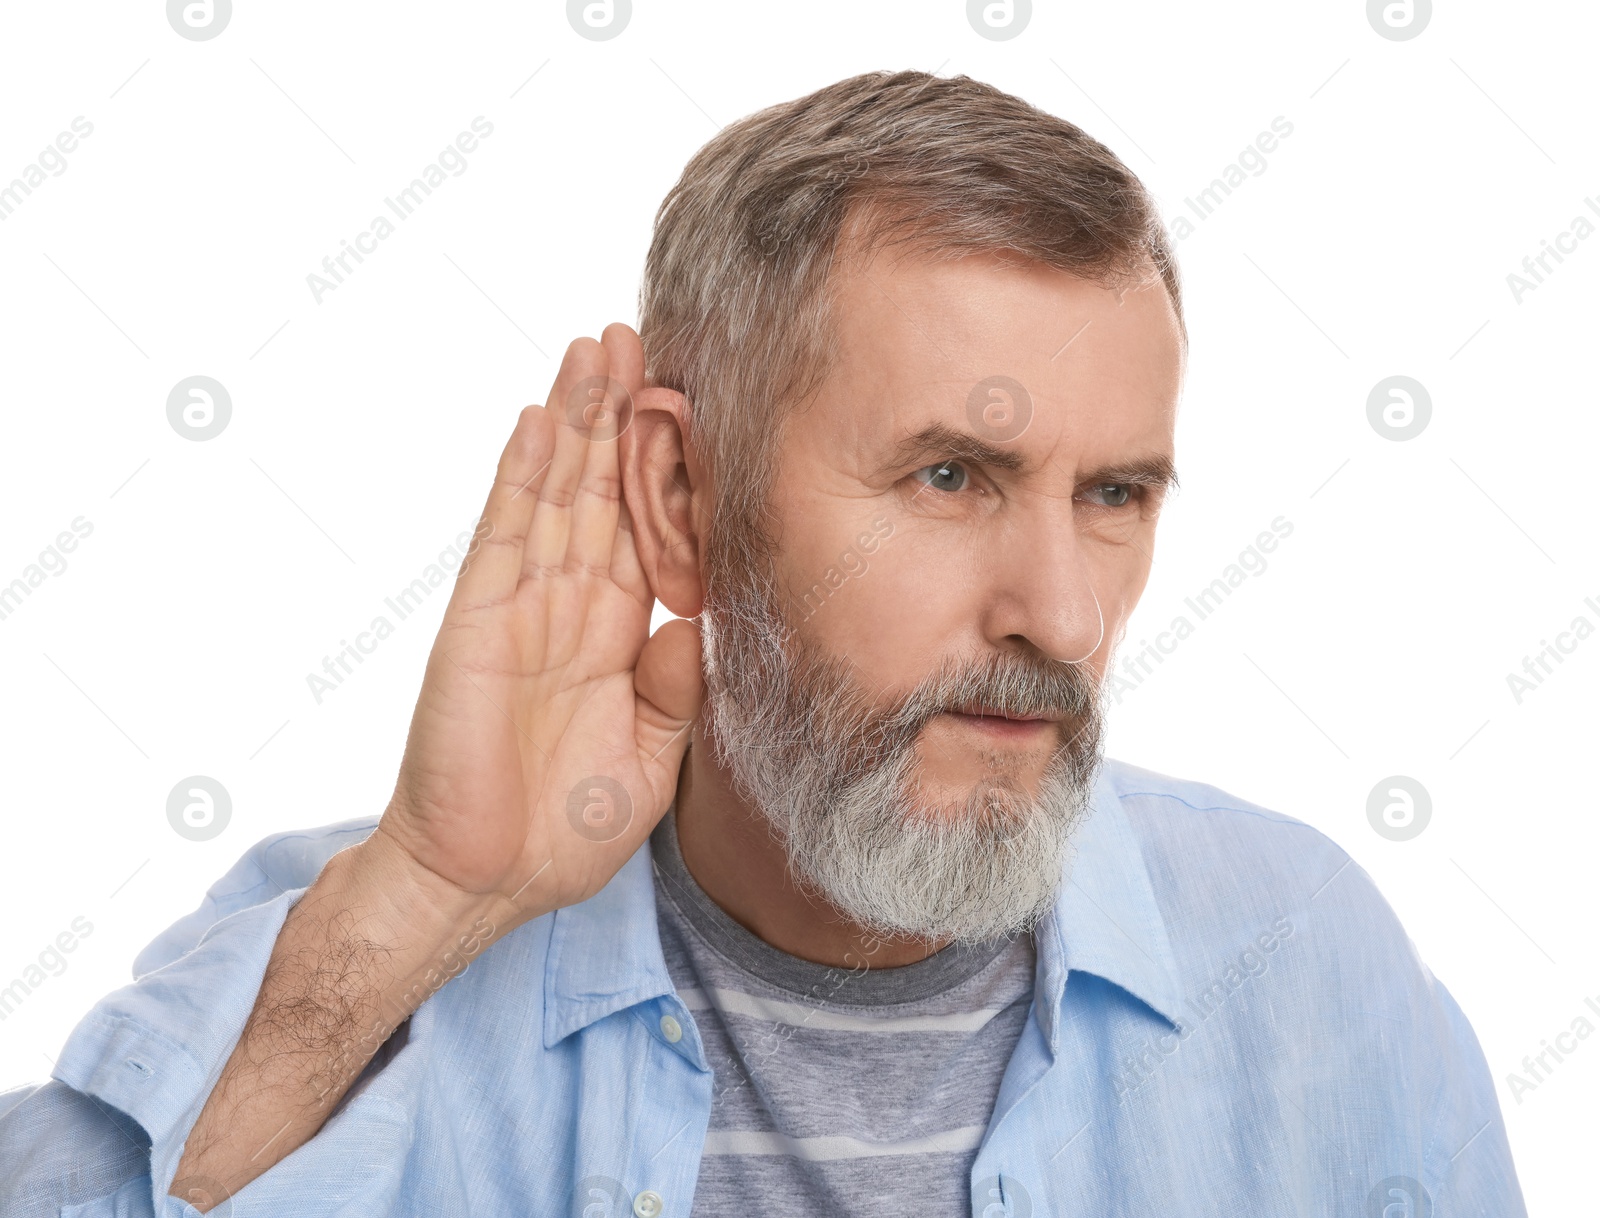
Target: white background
x,y
219,574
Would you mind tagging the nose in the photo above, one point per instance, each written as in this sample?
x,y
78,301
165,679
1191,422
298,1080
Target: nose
x,y
1042,586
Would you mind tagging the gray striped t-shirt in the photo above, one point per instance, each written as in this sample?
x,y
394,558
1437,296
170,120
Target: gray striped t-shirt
x,y
838,1091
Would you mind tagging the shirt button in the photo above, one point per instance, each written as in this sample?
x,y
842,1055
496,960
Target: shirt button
x,y
649,1204
673,1031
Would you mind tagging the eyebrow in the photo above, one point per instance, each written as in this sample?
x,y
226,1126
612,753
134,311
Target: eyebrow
x,y
1157,472
941,442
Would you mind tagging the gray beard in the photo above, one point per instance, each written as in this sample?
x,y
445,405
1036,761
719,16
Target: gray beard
x,y
835,777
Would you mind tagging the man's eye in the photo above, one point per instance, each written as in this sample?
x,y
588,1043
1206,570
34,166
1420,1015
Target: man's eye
x,y
1111,494
946,476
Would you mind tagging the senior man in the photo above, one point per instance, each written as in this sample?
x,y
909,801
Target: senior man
x,y
826,904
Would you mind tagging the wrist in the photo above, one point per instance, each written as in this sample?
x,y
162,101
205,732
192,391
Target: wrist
x,y
426,917
397,936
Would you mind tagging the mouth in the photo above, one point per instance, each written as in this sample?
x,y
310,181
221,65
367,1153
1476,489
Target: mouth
x,y
995,722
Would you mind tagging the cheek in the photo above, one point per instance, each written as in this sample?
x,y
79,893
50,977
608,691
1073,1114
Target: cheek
x,y
1119,574
901,611
1119,553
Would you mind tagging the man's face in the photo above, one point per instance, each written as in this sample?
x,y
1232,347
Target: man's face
x,y
963,517
972,557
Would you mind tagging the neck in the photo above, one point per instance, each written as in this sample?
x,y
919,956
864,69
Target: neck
x,y
742,866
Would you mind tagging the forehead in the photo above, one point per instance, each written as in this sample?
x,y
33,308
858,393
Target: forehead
x,y
985,337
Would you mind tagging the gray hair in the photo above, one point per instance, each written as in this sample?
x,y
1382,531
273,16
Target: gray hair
x,y
735,310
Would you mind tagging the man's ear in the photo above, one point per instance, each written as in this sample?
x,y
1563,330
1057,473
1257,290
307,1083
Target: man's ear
x,y
665,491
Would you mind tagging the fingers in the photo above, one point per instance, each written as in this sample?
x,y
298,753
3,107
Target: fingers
x,y
557,492
582,369
626,354
593,530
491,572
599,410
598,505
627,572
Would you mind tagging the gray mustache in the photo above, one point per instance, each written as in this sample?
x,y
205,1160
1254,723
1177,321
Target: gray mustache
x,y
1011,685
1021,686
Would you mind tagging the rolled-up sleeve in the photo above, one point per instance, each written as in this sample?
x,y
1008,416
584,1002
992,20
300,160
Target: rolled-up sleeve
x,y
105,1136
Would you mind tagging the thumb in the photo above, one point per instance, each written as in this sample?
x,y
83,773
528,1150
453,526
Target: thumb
x,y
668,690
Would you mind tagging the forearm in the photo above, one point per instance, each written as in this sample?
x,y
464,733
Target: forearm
x,y
372,939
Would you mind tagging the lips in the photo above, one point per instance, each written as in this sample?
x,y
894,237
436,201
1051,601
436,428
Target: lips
x,y
979,711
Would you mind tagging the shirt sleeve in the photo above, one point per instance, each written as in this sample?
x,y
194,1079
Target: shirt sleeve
x,y
103,1139
1479,1179
59,1146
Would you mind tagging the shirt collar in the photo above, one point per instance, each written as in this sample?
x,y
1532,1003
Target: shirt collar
x,y
605,953
1105,920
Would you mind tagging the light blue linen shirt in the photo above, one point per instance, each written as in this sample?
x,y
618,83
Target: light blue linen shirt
x,y
1227,1019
